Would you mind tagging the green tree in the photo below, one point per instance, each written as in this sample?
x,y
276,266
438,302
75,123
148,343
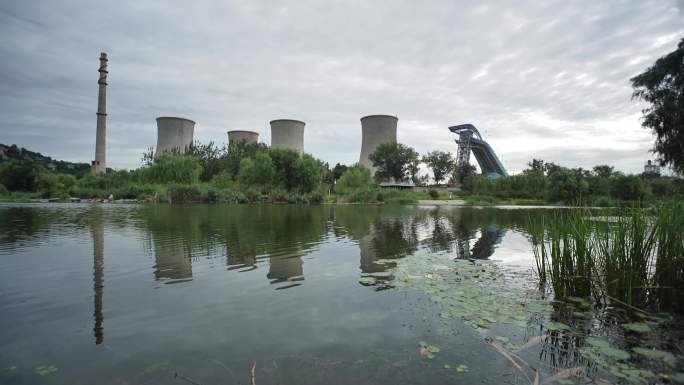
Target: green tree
x,y
285,162
182,169
356,178
258,171
236,152
460,173
20,175
309,173
604,171
395,161
662,87
535,165
338,170
628,188
211,157
442,164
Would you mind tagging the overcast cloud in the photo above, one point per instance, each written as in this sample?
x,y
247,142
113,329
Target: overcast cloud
x,y
540,79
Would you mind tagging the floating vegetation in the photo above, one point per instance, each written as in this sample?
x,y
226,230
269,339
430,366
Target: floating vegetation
x,y
45,370
508,309
427,350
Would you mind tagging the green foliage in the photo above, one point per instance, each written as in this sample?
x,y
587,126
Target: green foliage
x,y
224,180
210,157
21,175
629,188
613,258
237,151
356,179
14,153
173,169
662,87
394,161
285,162
3,190
434,194
257,172
183,193
460,173
309,173
555,184
441,163
338,171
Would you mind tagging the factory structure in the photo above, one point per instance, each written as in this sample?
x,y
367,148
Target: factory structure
x,y
237,136
288,134
376,130
175,135
99,165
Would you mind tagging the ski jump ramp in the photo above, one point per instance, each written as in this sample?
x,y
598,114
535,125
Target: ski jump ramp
x,y
469,140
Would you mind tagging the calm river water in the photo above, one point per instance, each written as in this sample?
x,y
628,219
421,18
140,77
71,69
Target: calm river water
x,y
240,294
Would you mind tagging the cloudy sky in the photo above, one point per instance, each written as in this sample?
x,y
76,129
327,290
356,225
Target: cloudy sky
x,y
540,79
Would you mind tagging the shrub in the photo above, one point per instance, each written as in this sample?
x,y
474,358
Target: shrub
x,y
316,197
257,172
309,173
20,175
356,179
223,180
285,163
173,169
628,188
434,194
180,193
3,190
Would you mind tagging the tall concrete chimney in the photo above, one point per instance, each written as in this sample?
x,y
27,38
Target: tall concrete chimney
x,y
376,130
99,165
288,134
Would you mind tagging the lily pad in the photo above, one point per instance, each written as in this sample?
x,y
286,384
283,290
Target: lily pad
x,y
678,377
656,354
639,327
556,326
615,353
44,370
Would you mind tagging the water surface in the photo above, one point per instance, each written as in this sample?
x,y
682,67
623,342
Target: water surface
x,y
157,294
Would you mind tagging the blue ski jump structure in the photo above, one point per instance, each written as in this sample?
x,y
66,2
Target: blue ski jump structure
x,y
469,140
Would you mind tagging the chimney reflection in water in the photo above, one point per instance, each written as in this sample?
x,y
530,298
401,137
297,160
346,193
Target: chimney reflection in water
x,y
97,230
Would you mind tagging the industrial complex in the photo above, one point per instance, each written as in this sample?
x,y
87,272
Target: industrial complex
x,y
176,135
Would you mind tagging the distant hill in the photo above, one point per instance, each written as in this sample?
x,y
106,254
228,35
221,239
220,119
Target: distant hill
x,y
12,152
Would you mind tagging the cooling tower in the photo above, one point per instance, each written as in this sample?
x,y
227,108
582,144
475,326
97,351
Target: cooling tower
x,y
376,130
174,135
236,136
287,134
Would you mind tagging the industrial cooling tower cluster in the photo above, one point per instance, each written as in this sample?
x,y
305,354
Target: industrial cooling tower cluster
x,y
175,135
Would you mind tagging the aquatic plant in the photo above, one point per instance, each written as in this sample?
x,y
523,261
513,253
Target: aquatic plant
x,y
634,257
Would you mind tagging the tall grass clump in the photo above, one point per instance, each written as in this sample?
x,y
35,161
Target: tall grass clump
x,y
625,252
566,258
634,257
669,259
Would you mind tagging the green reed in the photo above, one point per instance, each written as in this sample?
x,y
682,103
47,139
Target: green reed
x,y
635,256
